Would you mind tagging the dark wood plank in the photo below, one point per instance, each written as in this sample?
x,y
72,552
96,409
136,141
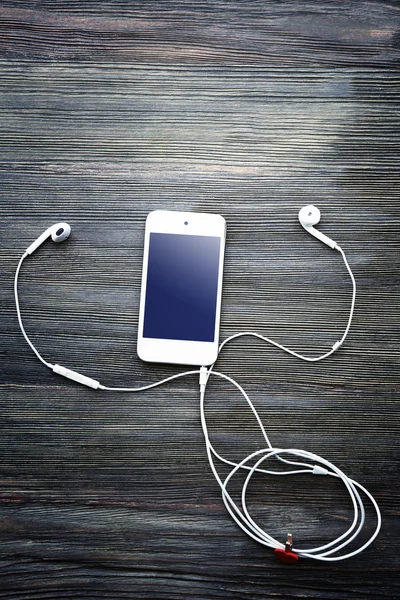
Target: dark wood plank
x,y
110,110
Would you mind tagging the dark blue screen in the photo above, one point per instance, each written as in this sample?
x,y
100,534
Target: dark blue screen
x,y
182,284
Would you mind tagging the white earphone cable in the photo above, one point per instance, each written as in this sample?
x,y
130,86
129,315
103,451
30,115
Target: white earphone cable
x,y
242,515
19,312
335,346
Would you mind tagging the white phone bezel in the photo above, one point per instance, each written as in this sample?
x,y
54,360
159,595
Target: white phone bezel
x,y
181,351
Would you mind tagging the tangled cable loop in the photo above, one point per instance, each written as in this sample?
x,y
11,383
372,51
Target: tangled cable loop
x,y
245,521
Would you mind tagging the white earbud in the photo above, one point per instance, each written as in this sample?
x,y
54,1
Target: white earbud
x,y
309,216
58,232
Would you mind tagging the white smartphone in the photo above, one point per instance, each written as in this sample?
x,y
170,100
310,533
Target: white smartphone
x,y
180,301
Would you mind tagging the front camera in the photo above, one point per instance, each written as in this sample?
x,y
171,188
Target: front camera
x,y
186,223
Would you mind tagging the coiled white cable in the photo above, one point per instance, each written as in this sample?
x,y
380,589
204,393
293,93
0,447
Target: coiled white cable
x,y
242,515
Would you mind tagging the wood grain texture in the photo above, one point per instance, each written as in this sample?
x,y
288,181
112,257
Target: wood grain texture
x,y
249,109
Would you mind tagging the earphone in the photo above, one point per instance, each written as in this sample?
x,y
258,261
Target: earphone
x,y
309,216
58,232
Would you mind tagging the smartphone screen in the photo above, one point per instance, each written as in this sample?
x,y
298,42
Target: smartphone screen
x,y
182,287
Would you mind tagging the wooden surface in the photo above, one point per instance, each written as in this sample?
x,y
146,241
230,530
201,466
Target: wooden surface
x,y
249,109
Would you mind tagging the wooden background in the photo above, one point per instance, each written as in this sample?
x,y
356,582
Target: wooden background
x,y
249,109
